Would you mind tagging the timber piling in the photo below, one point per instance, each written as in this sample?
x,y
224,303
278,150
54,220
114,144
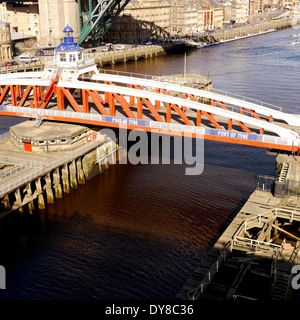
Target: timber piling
x,y
253,258
32,180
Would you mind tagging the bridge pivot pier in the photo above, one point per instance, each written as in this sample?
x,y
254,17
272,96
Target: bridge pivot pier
x,y
33,179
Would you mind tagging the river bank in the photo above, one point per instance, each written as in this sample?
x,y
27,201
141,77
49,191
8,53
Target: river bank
x,y
181,45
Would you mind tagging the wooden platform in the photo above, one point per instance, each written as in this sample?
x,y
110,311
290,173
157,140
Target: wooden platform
x,y
251,263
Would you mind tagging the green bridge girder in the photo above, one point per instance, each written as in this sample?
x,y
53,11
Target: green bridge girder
x,y
97,16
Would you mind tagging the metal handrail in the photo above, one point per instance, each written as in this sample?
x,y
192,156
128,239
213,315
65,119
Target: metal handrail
x,y
77,64
247,99
196,292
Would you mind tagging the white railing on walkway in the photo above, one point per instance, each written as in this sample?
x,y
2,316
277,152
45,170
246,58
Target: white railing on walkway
x,y
33,112
46,167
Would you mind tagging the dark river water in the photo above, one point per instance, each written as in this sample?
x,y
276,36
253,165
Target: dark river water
x,y
139,231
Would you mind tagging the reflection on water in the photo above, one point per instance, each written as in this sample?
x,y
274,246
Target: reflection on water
x,y
139,231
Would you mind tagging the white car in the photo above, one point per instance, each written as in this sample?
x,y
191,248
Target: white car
x,y
27,58
148,43
105,49
120,47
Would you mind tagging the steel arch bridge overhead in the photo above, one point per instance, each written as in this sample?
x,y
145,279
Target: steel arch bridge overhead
x,y
97,16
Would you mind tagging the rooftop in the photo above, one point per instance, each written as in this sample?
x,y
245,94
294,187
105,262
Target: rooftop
x,y
47,130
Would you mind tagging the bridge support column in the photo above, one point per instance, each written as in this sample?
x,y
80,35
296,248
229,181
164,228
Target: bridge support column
x,y
65,179
57,184
6,202
198,118
184,109
13,95
112,107
80,173
60,99
73,176
157,102
36,96
168,112
39,190
229,124
28,198
139,108
132,98
85,101
48,188
18,203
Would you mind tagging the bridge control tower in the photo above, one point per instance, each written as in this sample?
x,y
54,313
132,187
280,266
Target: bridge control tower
x,y
69,62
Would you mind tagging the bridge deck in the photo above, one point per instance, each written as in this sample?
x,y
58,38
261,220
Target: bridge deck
x,y
175,118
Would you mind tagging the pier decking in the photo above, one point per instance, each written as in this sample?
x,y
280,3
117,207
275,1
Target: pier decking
x,y
254,256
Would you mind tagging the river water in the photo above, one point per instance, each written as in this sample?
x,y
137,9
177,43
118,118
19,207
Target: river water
x,y
139,231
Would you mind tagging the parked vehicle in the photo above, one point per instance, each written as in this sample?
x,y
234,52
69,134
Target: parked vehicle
x,y
104,49
109,47
121,47
27,58
11,63
148,43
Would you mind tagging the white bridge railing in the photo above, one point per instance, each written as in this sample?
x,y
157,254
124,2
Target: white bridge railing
x,y
34,112
43,168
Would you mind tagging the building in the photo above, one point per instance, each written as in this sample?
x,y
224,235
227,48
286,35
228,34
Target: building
x,y
205,16
55,15
5,41
237,11
241,10
218,16
191,17
145,19
23,17
141,21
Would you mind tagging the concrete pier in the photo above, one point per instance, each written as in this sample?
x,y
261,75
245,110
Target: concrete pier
x,y
253,258
38,178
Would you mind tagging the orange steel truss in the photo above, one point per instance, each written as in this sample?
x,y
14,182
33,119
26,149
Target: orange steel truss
x,y
36,96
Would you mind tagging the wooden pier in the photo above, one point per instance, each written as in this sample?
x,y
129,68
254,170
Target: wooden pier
x,y
253,258
33,179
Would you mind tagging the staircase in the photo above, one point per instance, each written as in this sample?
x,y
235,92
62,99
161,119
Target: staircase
x,y
284,172
38,121
281,280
